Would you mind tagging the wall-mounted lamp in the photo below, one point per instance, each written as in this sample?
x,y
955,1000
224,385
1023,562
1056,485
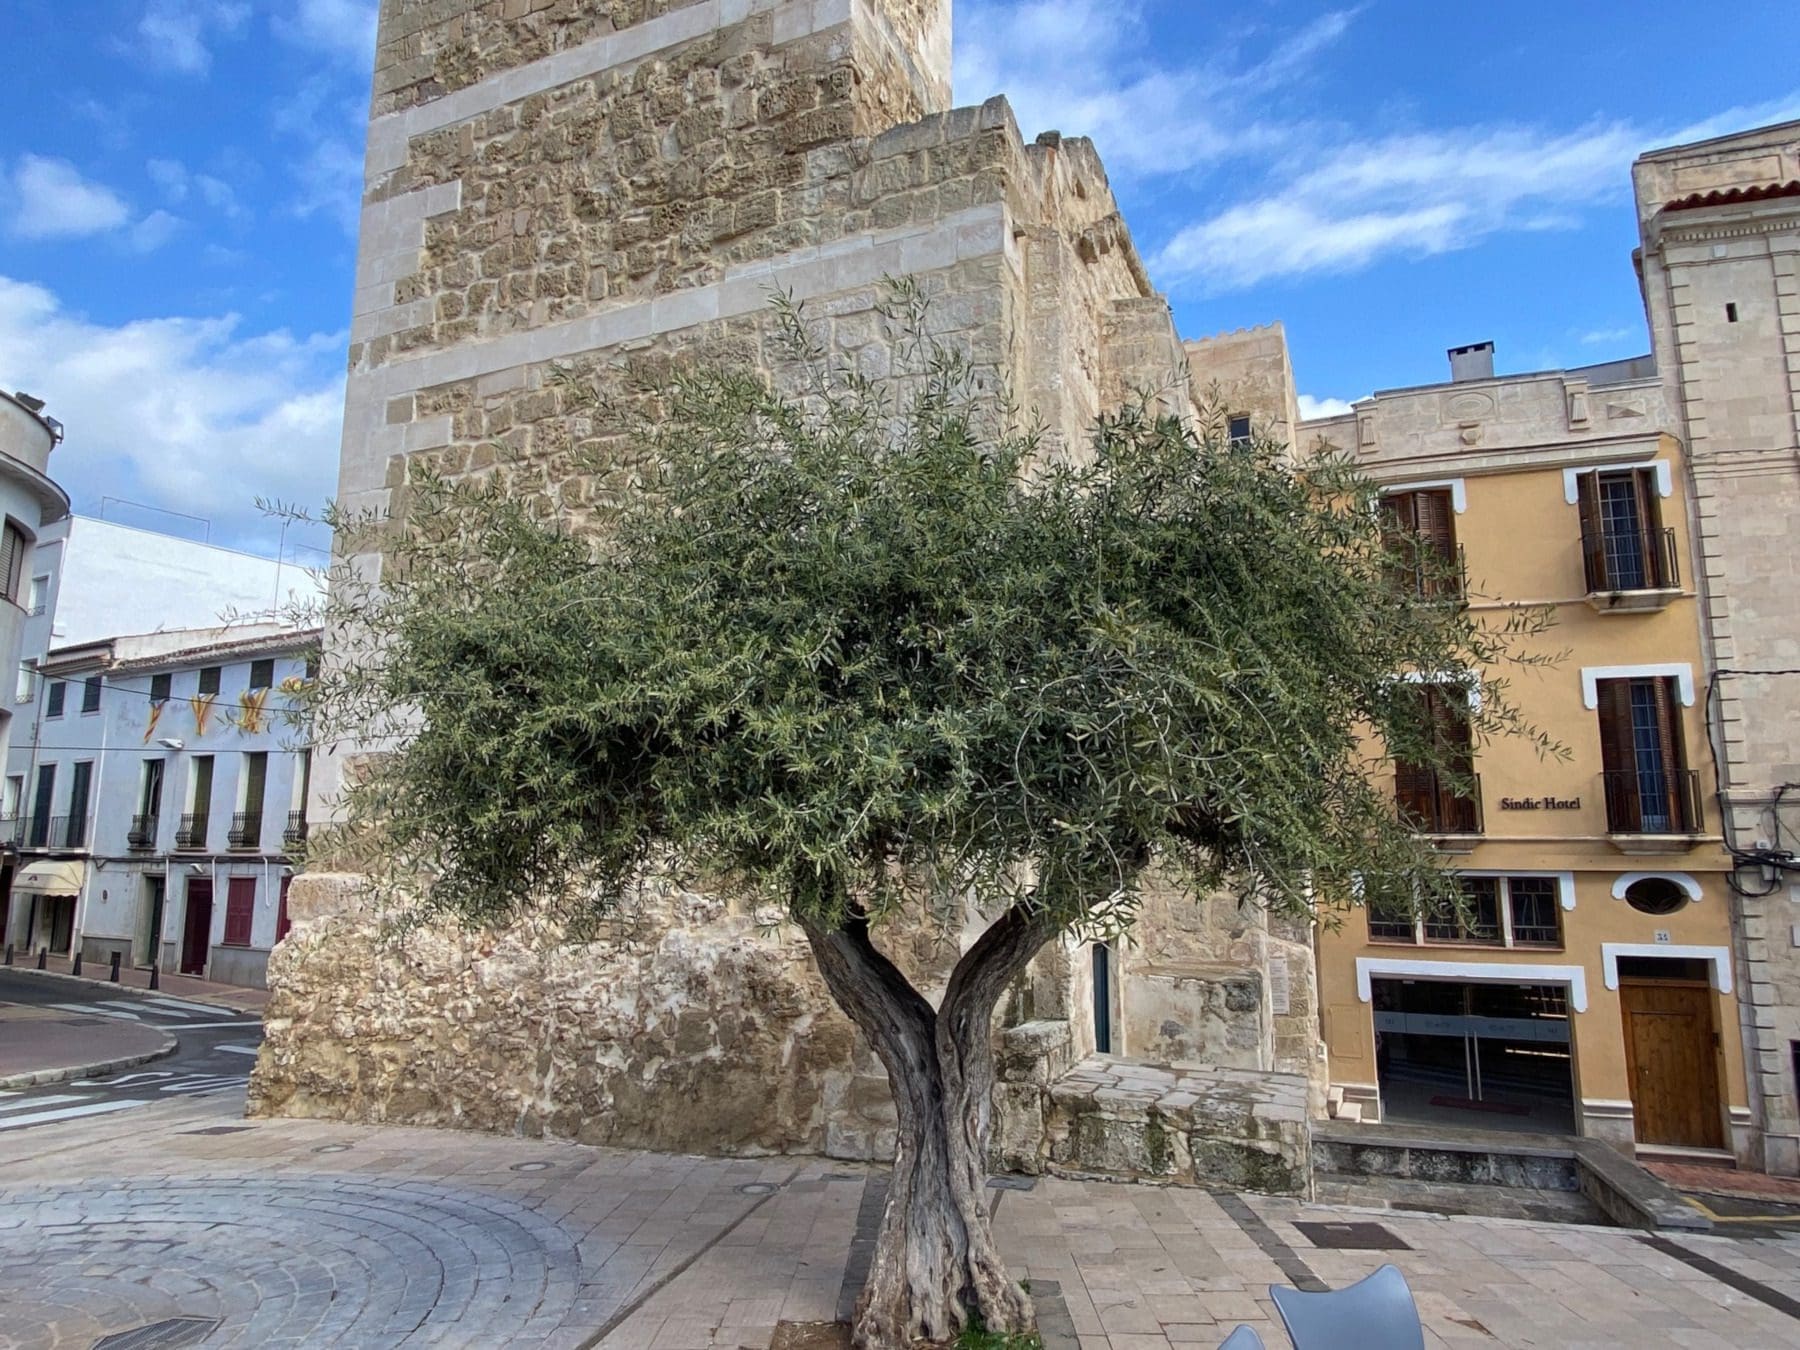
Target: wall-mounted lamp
x,y
198,869
172,743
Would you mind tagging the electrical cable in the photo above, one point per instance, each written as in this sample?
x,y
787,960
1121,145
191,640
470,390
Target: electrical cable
x,y
1774,857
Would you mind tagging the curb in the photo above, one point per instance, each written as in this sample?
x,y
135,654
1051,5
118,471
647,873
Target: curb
x,y
99,1068
132,989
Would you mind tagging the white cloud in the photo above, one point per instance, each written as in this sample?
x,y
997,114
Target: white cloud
x,y
174,34
1313,408
1410,195
343,29
177,185
1277,193
1602,337
330,179
49,199
152,232
189,414
1086,68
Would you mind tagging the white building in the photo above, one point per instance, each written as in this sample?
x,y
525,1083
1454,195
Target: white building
x,y
158,800
32,508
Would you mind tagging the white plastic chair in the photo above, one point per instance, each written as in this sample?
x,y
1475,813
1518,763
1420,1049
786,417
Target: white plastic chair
x,y
1375,1313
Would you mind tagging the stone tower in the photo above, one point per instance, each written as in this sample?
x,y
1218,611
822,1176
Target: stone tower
x,y
1720,266
576,186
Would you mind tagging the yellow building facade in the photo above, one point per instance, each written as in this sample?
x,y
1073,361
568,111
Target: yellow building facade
x,y
1588,985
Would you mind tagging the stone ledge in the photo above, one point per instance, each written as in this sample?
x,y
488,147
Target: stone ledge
x,y
1244,1129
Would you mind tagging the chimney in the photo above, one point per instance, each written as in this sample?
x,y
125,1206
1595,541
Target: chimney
x,y
1474,362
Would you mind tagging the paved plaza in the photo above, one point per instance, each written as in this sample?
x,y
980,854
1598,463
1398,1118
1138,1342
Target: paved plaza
x,y
311,1233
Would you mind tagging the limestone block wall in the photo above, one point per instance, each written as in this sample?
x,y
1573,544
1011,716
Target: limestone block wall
x,y
1251,375
1720,269
565,197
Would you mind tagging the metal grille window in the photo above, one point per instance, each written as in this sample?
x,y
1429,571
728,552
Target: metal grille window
x,y
161,686
1535,911
209,679
90,694
1479,921
54,699
262,674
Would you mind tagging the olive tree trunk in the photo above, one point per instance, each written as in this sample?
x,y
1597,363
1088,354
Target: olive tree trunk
x,y
935,1265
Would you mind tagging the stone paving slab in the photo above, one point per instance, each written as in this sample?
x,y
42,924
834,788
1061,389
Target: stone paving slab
x,y
313,1233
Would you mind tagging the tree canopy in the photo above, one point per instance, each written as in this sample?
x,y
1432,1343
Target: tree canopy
x,y
846,647
841,645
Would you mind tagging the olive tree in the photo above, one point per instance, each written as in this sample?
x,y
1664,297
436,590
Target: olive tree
x,y
870,654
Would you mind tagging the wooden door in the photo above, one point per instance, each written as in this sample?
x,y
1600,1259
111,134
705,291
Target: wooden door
x,y
197,928
1671,1058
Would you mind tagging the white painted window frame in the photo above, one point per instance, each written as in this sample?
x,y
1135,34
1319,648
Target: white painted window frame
x,y
1680,671
1459,495
1468,677
1626,880
1665,477
1474,972
1718,957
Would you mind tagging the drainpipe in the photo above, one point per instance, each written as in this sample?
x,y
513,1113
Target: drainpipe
x,y
92,835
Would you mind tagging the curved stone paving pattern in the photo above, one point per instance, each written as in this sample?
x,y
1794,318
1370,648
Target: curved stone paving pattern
x,y
305,1261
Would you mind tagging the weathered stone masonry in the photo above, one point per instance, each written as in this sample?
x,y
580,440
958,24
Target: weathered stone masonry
x,y
562,193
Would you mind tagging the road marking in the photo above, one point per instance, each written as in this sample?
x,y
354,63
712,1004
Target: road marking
x,y
97,1010
32,1102
204,1083
237,1049
65,1113
183,1004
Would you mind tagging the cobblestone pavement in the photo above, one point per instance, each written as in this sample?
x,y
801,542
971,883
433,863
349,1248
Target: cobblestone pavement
x,y
311,1233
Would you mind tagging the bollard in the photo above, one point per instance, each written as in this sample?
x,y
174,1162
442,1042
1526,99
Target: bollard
x,y
43,958
155,970
76,968
9,953
114,977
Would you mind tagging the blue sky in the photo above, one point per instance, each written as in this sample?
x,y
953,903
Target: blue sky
x,y
178,184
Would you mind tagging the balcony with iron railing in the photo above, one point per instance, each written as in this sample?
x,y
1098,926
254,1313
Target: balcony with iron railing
x,y
1652,809
52,833
294,836
246,830
191,833
141,837
1630,570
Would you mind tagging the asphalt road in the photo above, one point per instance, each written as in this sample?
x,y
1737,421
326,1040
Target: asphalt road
x,y
217,1048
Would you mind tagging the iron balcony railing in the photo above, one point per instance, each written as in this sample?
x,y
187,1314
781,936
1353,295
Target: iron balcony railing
x,y
246,830
53,832
295,833
1436,807
142,834
1652,800
1630,560
191,833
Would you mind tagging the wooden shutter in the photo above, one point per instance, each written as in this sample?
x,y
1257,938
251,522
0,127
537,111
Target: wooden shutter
x,y
1674,758
1656,558
12,559
1618,756
1593,536
240,911
1437,539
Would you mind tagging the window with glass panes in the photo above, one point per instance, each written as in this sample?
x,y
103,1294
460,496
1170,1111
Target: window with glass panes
x,y
1497,911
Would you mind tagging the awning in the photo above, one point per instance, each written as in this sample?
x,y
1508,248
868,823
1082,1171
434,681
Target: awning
x,y
51,878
